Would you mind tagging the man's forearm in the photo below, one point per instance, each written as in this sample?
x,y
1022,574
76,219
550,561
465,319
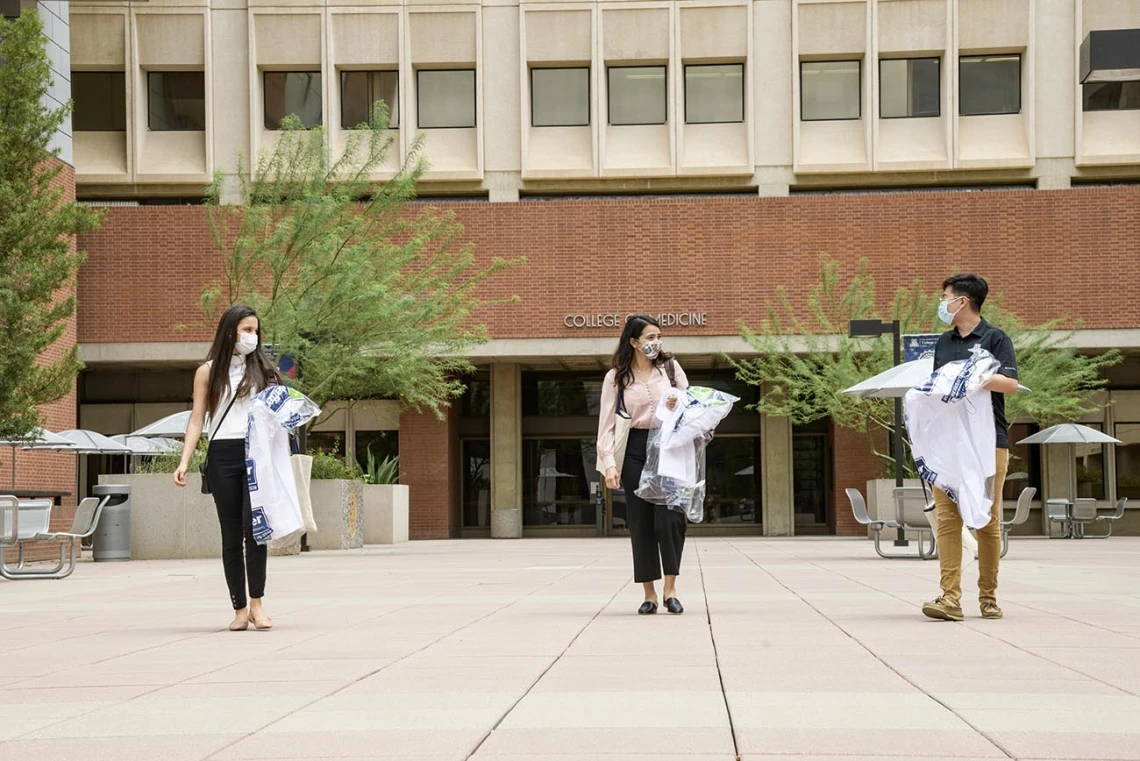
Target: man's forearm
x,y
1002,385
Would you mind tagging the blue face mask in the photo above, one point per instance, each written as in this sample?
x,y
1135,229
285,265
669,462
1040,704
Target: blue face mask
x,y
944,313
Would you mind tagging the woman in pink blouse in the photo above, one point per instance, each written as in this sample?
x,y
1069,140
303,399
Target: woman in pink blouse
x,y
641,377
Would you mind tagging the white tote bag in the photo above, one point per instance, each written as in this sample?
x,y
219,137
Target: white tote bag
x,y
303,476
621,436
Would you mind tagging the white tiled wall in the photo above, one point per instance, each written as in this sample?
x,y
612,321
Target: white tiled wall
x,y
54,15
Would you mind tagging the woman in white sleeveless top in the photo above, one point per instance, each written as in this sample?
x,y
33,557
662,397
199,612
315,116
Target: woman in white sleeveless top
x,y
236,371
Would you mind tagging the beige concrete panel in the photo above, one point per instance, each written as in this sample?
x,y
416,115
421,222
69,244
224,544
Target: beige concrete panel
x,y
912,26
287,39
771,83
717,149
443,38
992,142
564,36
1108,14
107,419
366,39
453,154
906,144
173,155
1126,406
827,29
376,415
714,33
502,102
149,412
839,146
993,25
1054,82
100,156
635,35
171,39
560,152
637,151
228,86
333,419
98,39
1110,137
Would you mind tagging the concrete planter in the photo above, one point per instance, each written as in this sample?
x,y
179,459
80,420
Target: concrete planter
x,y
169,523
338,510
385,513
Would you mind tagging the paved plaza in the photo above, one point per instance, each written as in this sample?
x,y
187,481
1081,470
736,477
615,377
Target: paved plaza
x,y
530,650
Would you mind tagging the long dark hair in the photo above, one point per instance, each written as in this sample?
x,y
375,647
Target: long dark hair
x,y
622,361
259,371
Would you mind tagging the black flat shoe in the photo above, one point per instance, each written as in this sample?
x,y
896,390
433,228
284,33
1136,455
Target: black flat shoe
x,y
673,605
648,608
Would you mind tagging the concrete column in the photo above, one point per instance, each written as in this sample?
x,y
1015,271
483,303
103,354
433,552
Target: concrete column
x,y
506,451
1056,481
778,509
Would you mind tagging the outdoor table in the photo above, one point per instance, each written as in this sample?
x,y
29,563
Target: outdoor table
x,y
53,494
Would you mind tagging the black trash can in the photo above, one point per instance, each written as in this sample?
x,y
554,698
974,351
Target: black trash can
x,y
112,538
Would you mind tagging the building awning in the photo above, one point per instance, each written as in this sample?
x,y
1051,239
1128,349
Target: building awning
x,y
1111,55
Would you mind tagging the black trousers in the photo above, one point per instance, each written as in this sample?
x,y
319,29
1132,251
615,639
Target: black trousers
x,y
225,467
656,532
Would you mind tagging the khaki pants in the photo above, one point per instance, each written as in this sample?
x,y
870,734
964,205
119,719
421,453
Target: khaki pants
x,y
969,543
989,541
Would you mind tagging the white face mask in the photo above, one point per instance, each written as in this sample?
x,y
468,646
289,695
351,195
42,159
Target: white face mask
x,y
651,349
246,343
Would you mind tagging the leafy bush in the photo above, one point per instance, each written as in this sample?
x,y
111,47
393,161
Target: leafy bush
x,y
168,463
329,466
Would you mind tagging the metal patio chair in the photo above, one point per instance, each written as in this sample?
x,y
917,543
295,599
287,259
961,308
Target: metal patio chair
x,y
1108,520
1084,513
1057,511
34,526
859,508
1020,515
910,512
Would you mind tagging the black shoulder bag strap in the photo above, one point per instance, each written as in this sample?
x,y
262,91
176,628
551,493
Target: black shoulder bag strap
x,y
202,466
671,372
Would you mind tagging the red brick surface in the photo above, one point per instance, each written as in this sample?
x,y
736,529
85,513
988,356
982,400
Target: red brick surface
x,y
1046,251
855,464
50,470
429,464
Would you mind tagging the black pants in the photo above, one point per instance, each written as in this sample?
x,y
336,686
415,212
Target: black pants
x,y
226,471
656,532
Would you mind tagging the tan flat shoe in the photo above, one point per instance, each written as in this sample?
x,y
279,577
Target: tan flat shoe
x,y
261,624
240,623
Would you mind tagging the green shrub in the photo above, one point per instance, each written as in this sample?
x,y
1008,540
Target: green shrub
x,y
168,463
386,471
329,466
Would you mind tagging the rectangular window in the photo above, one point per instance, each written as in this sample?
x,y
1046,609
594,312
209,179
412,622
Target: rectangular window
x,y
830,90
560,97
910,88
100,101
476,455
1128,460
989,84
176,100
636,95
360,91
558,477
296,93
445,99
714,94
1112,96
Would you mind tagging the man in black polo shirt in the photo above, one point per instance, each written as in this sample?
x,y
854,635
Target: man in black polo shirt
x,y
961,307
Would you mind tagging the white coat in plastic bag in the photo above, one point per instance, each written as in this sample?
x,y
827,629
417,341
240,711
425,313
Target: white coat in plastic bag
x,y
273,499
674,472
950,422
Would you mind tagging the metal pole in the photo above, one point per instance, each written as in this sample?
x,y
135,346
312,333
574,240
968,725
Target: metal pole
x,y
896,339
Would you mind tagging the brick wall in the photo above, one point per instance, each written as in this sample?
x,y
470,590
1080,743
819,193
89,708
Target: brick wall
x,y
854,465
50,470
429,464
1046,251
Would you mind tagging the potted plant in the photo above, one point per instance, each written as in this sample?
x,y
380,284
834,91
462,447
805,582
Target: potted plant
x,y
385,501
337,493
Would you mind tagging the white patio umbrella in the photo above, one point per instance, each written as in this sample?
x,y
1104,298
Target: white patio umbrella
x,y
87,442
171,426
142,445
1071,434
899,379
38,438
